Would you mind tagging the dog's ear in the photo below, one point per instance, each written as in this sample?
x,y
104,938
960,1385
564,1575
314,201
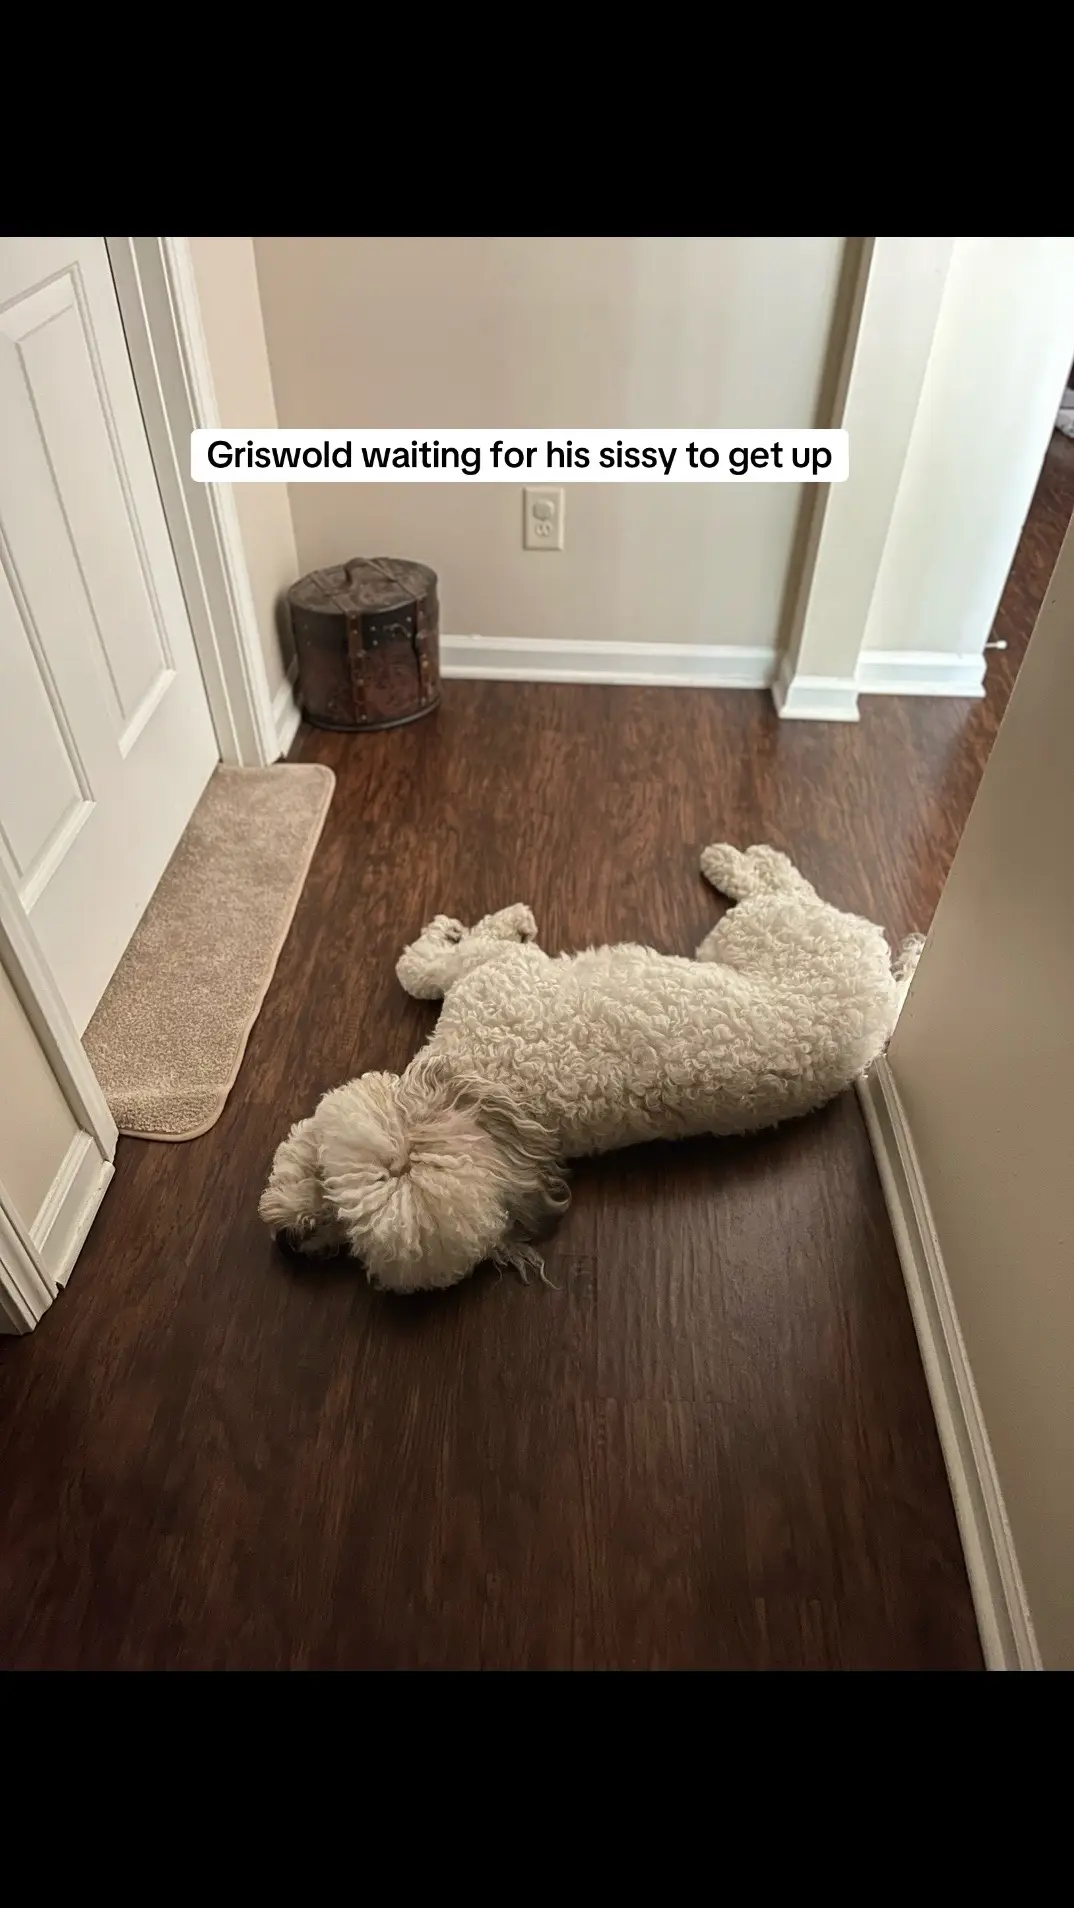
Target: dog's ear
x,y
535,1181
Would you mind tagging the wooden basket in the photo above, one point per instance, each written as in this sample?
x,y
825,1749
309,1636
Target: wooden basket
x,y
367,638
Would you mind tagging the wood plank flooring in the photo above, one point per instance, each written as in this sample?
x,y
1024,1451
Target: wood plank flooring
x,y
707,1446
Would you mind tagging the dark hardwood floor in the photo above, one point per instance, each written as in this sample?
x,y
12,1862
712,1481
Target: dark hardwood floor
x,y
707,1445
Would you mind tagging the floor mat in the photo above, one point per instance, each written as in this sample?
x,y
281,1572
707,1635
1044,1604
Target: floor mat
x,y
168,1038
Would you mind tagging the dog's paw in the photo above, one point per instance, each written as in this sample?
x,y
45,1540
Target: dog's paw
x,y
523,924
515,923
742,874
726,869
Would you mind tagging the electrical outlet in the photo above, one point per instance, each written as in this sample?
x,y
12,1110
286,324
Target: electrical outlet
x,y
542,518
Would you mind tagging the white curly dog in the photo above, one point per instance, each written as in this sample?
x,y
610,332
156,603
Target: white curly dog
x,y
538,1058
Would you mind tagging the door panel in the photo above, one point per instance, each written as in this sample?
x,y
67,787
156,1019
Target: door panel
x,y
105,737
42,786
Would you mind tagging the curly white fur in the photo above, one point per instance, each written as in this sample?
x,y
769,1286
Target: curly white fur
x,y
539,1058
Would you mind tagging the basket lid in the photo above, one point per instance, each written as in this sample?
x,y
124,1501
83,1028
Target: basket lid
x,y
363,584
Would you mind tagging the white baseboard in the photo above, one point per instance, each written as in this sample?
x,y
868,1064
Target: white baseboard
x,y
895,672
69,1207
814,698
286,713
919,672
879,672
656,665
999,1597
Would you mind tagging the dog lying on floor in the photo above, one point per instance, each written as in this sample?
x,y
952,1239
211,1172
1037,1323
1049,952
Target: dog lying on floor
x,y
538,1058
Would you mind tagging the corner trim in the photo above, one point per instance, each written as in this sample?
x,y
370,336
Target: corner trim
x,y
814,698
999,1597
649,665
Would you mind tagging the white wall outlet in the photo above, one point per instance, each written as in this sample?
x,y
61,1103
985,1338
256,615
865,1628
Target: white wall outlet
x,y
542,517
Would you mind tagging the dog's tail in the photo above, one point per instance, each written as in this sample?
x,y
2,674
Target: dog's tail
x,y
905,962
430,1172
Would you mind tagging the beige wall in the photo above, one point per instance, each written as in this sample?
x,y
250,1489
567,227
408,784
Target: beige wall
x,y
983,1058
1003,345
226,277
36,1123
557,331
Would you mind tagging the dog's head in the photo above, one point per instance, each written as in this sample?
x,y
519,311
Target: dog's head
x,y
445,950
421,1176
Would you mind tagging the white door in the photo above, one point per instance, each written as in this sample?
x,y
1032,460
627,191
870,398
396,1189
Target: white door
x,y
105,736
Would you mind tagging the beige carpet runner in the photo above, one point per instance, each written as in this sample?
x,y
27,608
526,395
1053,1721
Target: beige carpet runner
x,y
168,1038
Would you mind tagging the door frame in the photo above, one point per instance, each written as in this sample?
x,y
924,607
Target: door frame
x,y
158,301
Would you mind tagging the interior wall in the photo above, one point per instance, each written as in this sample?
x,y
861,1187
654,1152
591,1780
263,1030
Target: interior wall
x,y
230,301
36,1123
1003,345
554,332
982,1057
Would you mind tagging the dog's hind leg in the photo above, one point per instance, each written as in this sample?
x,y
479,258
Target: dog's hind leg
x,y
742,874
757,877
